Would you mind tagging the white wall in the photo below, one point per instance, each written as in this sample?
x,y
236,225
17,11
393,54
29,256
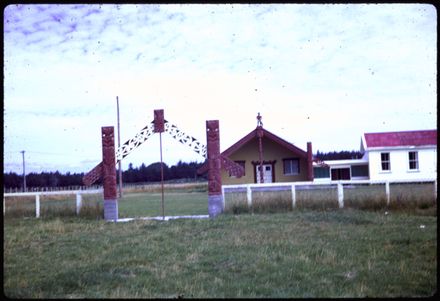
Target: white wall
x,y
400,165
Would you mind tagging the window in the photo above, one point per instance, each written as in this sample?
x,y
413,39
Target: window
x,y
413,160
291,166
321,172
359,171
385,161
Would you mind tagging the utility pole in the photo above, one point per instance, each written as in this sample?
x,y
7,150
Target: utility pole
x,y
24,173
119,145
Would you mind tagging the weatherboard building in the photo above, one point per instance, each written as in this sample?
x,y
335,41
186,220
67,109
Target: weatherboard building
x,y
393,156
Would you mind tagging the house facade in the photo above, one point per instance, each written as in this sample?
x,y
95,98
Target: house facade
x,y
401,155
407,155
282,161
266,158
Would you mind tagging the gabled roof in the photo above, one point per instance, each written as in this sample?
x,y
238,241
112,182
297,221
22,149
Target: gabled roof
x,y
396,139
253,134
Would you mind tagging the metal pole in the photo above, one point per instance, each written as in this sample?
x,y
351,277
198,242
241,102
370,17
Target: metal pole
x,y
24,174
161,175
119,145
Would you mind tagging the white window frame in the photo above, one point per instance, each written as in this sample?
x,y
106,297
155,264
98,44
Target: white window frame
x,y
385,161
416,161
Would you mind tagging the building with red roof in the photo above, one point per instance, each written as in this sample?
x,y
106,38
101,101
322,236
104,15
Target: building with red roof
x,y
406,155
403,155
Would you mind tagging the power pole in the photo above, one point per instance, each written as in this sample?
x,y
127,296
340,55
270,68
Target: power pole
x,y
24,174
119,145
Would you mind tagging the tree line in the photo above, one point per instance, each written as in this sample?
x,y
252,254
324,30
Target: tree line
x,y
339,155
143,173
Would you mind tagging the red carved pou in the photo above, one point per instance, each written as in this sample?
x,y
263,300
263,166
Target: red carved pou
x,y
214,158
108,163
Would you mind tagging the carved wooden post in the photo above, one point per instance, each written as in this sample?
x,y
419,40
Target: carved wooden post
x,y
215,198
109,173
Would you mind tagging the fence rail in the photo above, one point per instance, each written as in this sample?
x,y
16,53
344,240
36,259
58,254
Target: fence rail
x,y
37,195
339,185
45,189
124,186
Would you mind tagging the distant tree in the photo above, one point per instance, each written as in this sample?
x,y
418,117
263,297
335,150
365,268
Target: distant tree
x,y
150,173
12,180
154,172
338,155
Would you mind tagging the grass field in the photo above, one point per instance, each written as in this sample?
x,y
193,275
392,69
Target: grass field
x,y
175,203
137,201
315,250
336,253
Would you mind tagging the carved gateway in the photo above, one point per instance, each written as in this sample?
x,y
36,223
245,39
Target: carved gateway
x,y
107,168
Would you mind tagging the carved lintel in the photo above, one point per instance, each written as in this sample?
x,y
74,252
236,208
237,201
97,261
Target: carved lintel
x,y
233,168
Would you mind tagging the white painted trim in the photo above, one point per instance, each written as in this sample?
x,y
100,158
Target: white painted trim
x,y
78,203
37,206
340,195
303,183
94,191
159,218
293,196
249,195
401,147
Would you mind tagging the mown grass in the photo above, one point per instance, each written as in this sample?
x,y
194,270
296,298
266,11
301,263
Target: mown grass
x,y
299,254
175,203
144,200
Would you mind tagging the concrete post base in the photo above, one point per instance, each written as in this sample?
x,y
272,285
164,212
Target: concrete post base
x,y
215,205
111,210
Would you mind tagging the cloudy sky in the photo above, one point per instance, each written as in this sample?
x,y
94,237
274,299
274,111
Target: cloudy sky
x,y
320,73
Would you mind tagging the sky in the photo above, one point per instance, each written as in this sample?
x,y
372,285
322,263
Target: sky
x,y
324,73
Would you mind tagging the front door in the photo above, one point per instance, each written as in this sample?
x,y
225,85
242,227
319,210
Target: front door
x,y
267,173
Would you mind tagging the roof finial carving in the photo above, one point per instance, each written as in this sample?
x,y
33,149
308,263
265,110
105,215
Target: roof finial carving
x,y
259,122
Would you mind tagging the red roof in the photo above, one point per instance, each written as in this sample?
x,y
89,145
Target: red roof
x,y
408,138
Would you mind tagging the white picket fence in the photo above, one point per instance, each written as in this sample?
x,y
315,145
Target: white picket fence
x,y
292,186
37,195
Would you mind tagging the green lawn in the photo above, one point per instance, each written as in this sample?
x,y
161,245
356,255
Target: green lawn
x,y
132,204
175,203
302,253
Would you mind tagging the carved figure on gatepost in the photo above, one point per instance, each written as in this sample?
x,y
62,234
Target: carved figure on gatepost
x,y
159,121
109,173
215,198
